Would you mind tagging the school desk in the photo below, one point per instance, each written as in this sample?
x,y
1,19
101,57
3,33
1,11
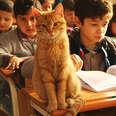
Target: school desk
x,y
93,101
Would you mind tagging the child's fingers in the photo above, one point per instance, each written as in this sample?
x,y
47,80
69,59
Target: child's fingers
x,y
77,61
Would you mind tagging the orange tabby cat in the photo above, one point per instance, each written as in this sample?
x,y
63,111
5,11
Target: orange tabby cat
x,y
54,74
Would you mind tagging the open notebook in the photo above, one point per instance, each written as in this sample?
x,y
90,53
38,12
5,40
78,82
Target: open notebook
x,y
97,80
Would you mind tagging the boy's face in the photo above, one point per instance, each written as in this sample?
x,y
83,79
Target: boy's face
x,y
6,20
27,24
69,16
93,30
47,6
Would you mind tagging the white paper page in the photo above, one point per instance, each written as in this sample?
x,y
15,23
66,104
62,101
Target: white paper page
x,y
98,80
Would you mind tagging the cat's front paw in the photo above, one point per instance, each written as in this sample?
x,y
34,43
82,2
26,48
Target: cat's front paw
x,y
62,106
51,108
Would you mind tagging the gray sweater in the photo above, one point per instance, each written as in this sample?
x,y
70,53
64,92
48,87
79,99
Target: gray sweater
x,y
11,44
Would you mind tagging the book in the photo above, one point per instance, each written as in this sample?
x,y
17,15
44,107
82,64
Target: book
x,y
97,81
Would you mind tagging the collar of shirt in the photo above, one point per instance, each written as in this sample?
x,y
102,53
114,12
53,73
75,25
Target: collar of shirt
x,y
7,30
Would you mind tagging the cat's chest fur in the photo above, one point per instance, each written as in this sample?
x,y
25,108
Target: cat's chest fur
x,y
54,54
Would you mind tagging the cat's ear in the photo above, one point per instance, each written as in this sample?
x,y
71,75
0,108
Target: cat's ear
x,y
36,12
59,10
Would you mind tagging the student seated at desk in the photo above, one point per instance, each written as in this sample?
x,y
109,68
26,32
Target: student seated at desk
x,y
19,44
97,51
6,25
6,15
69,14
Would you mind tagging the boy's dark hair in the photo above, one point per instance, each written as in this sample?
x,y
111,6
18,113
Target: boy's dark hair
x,y
68,4
42,1
22,7
6,5
92,8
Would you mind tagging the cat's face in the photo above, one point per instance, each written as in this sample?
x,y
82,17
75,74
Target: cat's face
x,y
50,25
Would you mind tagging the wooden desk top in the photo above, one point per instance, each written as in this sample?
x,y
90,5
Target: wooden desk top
x,y
98,100
93,100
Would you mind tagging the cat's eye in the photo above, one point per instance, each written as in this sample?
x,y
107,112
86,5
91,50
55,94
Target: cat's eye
x,y
55,24
44,25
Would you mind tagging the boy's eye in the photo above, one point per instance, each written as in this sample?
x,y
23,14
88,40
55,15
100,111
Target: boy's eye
x,y
94,24
23,19
7,19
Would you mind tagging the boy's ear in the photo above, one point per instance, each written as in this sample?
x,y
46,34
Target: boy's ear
x,y
59,10
36,12
78,22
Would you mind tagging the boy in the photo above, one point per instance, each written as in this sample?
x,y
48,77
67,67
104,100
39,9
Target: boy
x,y
69,13
47,4
6,15
89,42
16,46
6,24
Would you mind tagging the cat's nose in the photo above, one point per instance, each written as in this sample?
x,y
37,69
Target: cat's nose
x,y
50,32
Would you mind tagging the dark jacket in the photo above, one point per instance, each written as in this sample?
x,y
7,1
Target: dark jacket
x,y
107,46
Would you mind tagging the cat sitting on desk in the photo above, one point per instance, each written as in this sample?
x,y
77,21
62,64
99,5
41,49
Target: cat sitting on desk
x,y
54,76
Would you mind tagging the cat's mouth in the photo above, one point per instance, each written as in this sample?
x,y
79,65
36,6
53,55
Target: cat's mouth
x,y
51,34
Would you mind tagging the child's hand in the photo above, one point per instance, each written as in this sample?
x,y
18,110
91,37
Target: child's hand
x,y
14,63
78,63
